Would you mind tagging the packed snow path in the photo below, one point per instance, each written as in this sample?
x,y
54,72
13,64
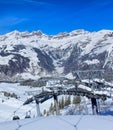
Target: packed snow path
x,y
76,122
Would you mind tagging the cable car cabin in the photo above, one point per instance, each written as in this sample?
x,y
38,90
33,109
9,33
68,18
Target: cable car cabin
x,y
27,116
16,117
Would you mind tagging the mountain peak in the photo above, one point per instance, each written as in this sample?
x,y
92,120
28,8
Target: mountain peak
x,y
15,32
38,33
78,32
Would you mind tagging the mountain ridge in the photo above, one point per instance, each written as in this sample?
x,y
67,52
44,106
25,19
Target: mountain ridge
x,y
35,54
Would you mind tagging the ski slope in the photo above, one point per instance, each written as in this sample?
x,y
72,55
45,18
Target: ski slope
x,y
12,106
65,121
76,122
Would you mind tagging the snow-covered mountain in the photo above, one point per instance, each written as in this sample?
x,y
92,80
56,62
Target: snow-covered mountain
x,y
35,54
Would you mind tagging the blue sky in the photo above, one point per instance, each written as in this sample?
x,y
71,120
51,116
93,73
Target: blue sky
x,y
54,16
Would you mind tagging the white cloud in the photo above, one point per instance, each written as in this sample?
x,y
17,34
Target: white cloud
x,y
25,1
9,21
38,3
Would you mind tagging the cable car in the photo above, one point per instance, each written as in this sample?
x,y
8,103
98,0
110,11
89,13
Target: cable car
x,y
16,117
28,114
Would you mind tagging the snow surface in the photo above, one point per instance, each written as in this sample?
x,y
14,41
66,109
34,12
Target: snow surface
x,y
5,60
94,61
85,121
76,122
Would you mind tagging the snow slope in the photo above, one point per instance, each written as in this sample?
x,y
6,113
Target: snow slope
x,y
12,106
76,122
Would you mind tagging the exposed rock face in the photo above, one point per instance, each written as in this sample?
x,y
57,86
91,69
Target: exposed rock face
x,y
37,54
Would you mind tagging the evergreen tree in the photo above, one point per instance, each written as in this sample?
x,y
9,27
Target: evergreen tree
x,y
51,109
62,103
47,113
44,113
67,100
76,100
